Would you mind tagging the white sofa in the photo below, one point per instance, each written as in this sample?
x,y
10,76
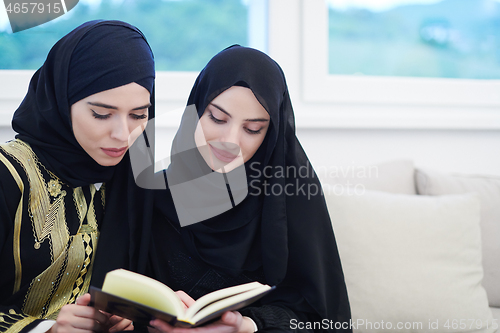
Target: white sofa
x,y
420,249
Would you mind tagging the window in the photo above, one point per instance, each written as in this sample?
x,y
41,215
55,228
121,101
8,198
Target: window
x,y
420,38
387,101
184,34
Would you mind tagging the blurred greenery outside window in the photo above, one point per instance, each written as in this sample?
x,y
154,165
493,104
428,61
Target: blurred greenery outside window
x,y
415,38
184,34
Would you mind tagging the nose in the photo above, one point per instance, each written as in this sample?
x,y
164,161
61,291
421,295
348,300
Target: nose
x,y
120,130
231,139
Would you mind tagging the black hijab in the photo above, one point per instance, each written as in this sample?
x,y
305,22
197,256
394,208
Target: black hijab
x,y
288,234
96,56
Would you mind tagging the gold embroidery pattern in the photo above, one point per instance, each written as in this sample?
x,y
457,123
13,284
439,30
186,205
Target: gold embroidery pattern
x,y
54,187
69,274
47,218
103,195
89,234
14,322
79,283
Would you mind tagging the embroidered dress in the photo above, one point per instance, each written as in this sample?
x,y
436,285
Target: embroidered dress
x,y
51,214
48,236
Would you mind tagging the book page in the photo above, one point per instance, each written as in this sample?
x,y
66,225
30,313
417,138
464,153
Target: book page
x,y
232,302
219,294
126,308
143,290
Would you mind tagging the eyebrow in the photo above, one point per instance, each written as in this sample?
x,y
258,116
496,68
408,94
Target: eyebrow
x,y
107,106
227,113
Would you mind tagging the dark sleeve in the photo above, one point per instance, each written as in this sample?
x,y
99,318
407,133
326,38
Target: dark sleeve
x,y
285,311
269,318
10,195
273,318
12,319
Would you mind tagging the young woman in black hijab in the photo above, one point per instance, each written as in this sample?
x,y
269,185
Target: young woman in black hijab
x,y
67,196
243,204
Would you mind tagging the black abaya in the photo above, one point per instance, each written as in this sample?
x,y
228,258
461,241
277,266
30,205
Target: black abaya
x,y
280,228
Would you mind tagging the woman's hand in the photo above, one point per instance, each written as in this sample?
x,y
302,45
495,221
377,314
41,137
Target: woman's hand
x,y
117,324
185,298
230,322
79,318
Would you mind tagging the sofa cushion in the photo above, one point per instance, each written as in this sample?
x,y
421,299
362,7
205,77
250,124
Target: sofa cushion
x,y
393,176
411,260
488,188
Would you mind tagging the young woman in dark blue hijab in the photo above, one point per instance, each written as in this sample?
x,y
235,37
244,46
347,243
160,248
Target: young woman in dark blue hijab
x,y
68,201
244,203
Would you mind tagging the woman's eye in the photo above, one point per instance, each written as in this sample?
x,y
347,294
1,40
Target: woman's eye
x,y
138,116
215,120
100,116
252,131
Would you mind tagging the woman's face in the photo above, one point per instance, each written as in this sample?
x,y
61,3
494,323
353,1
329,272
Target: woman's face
x,y
231,129
104,123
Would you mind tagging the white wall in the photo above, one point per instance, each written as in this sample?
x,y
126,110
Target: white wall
x,y
6,133
445,150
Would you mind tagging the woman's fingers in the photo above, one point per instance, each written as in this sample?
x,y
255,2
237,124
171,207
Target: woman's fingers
x,y
86,324
67,329
75,325
83,300
161,326
185,298
90,313
120,324
230,322
232,318
83,310
79,318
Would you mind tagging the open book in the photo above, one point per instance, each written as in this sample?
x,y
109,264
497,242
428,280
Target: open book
x,y
141,299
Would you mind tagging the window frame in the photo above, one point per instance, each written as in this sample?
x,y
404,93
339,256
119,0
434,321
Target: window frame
x,y
390,102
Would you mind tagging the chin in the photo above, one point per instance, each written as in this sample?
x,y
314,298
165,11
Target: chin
x,y
108,162
225,167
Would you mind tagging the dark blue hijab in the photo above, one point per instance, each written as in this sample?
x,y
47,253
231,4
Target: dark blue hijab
x,y
96,56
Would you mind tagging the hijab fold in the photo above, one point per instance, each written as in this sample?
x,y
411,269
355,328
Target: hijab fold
x,y
287,233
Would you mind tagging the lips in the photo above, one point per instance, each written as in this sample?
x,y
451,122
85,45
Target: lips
x,y
222,155
114,152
